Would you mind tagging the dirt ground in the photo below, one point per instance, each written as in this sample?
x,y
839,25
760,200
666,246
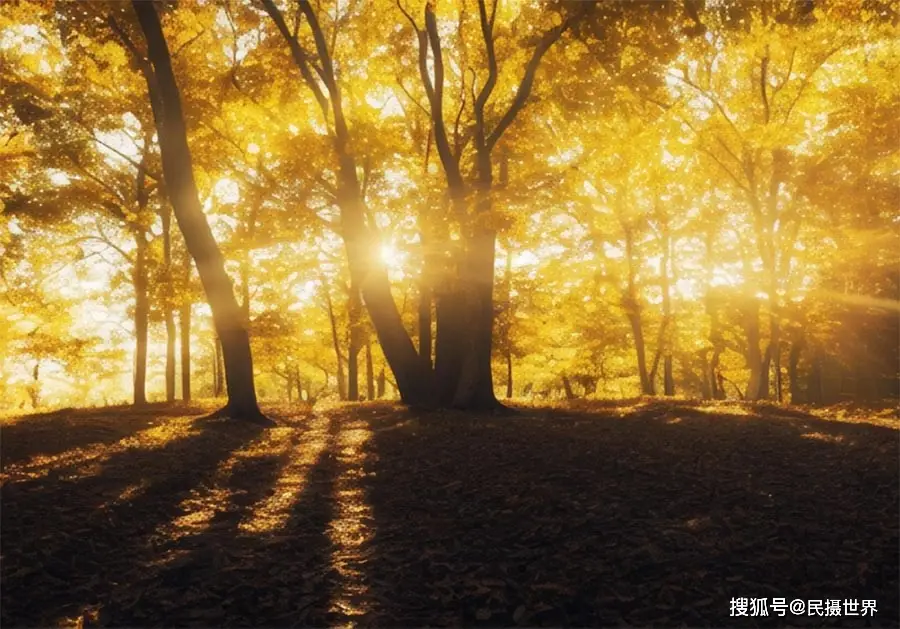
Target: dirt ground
x,y
634,513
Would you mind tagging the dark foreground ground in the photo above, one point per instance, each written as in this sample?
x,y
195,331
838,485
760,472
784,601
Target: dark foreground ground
x,y
650,514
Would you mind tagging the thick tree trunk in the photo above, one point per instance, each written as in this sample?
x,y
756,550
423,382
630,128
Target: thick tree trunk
x,y
141,318
475,389
448,351
178,171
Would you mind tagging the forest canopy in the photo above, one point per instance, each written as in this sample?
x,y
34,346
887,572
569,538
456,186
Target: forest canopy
x,y
453,202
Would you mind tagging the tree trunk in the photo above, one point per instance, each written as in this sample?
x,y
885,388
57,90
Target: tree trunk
x,y
814,392
381,384
354,310
167,299
475,387
640,350
370,376
335,342
141,318
754,356
448,350
793,372
666,281
34,389
219,369
567,385
165,101
184,321
425,321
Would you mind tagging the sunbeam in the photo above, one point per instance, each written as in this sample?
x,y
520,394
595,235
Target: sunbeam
x,y
350,529
271,514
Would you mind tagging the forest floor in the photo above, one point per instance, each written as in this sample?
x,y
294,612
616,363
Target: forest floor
x,y
644,513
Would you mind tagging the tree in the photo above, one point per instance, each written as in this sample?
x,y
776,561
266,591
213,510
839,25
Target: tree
x,y
182,190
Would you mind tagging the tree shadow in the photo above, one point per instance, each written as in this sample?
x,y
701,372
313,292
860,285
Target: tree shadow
x,y
52,433
65,537
653,516
653,513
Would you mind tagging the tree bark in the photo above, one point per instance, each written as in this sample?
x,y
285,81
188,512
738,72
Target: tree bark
x,y
165,101
141,318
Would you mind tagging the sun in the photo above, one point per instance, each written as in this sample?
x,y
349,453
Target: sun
x,y
390,256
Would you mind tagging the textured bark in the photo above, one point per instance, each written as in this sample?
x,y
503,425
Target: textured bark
x,y
178,172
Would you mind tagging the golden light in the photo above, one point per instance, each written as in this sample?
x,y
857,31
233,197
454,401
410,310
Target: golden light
x,y
349,531
272,513
92,458
390,255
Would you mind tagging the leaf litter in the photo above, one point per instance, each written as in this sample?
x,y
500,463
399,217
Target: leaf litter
x,y
644,513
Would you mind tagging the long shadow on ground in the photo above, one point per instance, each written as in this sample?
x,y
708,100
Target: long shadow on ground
x,y
658,517
645,514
